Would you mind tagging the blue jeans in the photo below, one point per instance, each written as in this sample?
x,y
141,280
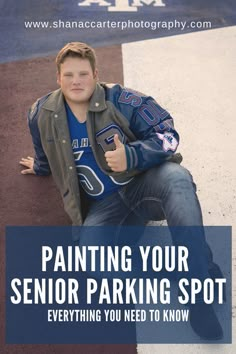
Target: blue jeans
x,y
163,192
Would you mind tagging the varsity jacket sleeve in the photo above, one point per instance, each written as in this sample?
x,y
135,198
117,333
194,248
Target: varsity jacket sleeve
x,y
157,139
41,165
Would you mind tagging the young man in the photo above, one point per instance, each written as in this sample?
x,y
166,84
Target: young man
x,y
115,149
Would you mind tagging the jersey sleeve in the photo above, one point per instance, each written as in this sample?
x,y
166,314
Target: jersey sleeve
x,y
41,165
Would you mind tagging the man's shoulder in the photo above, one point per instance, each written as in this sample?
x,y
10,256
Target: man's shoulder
x,y
111,87
125,99
48,100
114,89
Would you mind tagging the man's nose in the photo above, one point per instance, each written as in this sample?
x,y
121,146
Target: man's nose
x,y
76,80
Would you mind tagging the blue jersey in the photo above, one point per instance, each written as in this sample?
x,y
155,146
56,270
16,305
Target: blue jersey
x,y
94,182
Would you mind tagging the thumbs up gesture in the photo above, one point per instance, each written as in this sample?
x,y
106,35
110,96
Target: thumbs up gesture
x,y
116,159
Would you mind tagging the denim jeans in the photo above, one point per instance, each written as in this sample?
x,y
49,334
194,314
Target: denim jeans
x,y
163,192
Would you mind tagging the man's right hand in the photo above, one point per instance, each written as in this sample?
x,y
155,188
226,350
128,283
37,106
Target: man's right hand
x,y
29,163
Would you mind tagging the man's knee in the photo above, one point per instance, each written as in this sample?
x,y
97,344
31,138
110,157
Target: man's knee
x,y
175,173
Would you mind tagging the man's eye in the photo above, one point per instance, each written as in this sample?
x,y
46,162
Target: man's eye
x,y
84,74
67,74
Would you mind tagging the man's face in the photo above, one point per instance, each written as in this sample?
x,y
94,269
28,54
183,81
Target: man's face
x,y
77,80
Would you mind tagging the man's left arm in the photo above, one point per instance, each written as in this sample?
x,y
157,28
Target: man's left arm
x,y
157,139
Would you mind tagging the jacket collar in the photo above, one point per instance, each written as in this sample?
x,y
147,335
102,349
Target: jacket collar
x,y
98,101
55,101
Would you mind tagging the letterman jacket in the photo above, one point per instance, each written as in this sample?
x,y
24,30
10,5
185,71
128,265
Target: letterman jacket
x,y
141,124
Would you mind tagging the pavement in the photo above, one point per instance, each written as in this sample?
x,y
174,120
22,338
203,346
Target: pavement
x,y
191,75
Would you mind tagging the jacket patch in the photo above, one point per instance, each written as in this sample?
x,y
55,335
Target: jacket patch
x,y
105,137
169,141
130,98
152,113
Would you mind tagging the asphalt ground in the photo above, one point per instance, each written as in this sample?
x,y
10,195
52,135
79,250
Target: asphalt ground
x,y
33,200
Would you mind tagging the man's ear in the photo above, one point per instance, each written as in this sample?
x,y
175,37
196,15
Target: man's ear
x,y
58,79
95,75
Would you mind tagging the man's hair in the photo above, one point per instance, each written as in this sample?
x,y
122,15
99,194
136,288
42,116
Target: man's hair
x,y
76,50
